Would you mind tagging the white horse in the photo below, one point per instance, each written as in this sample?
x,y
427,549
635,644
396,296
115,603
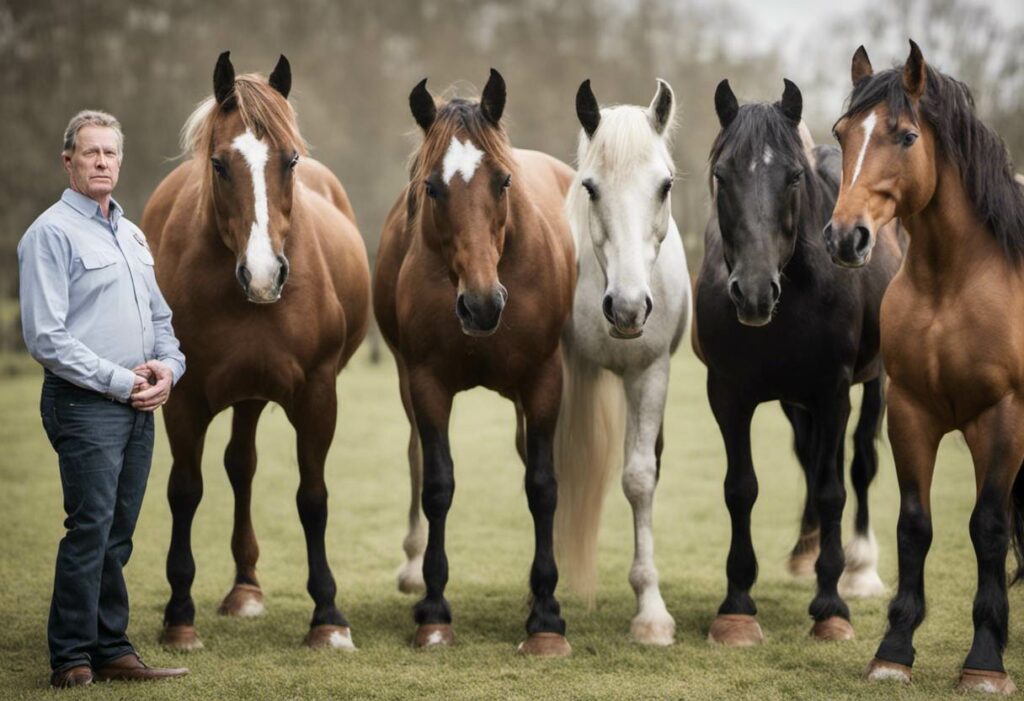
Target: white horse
x,y
631,307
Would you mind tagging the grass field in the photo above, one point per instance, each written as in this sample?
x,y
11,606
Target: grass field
x,y
489,546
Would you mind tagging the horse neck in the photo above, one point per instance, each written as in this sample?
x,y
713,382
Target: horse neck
x,y
948,240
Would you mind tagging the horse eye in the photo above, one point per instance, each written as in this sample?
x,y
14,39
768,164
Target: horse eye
x,y
293,162
219,167
591,189
507,183
908,139
718,177
666,187
795,177
431,190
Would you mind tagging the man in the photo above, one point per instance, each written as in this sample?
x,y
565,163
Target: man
x,y
94,317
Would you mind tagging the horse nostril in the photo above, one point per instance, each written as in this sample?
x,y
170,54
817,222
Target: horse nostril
x,y
776,291
606,307
863,241
650,307
282,273
461,308
244,277
735,292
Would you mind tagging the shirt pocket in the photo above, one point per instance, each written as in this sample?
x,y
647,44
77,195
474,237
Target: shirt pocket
x,y
144,255
98,268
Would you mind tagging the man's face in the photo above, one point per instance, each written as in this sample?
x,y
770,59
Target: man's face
x,y
94,165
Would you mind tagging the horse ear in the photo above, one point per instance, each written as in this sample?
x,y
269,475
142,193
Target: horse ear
x,y
224,79
281,78
421,102
792,101
662,108
587,109
914,74
492,102
725,104
860,67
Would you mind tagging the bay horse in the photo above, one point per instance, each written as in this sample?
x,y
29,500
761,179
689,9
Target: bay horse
x,y
952,332
473,284
246,213
630,310
776,320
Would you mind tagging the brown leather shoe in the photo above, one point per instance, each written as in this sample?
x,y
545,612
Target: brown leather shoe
x,y
130,668
75,676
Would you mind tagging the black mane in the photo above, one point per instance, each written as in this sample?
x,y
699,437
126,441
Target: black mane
x,y
980,155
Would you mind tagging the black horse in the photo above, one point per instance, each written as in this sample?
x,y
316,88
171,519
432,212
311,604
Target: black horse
x,y
778,321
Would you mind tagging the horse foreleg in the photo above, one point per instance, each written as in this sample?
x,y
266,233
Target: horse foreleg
x,y
645,394
829,611
915,437
540,401
245,598
410,574
186,419
860,578
805,552
736,624
997,448
313,413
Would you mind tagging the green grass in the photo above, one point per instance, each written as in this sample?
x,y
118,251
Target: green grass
x,y
489,546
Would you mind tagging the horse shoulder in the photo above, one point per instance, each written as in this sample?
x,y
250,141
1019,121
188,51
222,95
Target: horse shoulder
x,y
321,180
162,202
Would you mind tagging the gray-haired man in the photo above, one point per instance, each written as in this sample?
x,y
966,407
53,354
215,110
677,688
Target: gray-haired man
x,y
94,317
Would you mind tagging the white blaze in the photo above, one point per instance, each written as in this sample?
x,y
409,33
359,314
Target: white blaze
x,y
259,254
868,125
462,158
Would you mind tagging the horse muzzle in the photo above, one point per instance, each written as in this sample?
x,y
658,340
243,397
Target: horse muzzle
x,y
849,246
268,292
755,303
626,320
480,312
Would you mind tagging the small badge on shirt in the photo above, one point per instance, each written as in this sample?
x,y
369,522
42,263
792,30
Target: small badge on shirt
x,y
141,239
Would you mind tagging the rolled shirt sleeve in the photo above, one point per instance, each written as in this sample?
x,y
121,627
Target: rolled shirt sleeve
x,y
165,344
44,260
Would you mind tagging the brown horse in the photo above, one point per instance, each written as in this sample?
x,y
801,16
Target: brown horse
x,y
228,227
952,328
474,282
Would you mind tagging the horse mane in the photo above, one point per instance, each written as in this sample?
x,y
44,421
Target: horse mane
x,y
457,116
758,125
986,171
621,143
263,110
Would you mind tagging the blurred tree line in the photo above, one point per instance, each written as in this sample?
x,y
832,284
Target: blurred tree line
x,y
150,61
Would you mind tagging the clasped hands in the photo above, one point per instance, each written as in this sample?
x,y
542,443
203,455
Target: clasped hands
x,y
152,386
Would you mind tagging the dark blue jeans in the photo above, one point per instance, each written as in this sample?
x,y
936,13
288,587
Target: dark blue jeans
x,y
105,449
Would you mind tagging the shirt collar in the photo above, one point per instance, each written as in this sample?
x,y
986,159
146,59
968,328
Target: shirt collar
x,y
88,207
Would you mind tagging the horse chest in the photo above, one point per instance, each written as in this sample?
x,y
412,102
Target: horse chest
x,y
956,358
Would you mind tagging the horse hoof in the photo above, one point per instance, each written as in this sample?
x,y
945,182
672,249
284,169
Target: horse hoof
x,y
735,630
659,631
864,584
545,645
181,638
832,630
410,577
986,680
434,635
329,637
244,601
883,670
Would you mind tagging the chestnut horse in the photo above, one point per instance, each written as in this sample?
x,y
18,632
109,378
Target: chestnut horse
x,y
776,320
473,284
952,328
229,226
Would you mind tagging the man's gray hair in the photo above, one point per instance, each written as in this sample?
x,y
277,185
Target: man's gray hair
x,y
93,118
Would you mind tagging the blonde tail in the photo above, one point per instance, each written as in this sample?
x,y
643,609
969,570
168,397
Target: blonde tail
x,y
588,453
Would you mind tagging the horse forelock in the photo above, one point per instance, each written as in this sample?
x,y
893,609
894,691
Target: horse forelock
x,y
261,109
462,120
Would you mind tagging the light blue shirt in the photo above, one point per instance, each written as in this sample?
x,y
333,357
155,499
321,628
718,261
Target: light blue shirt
x,y
90,306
